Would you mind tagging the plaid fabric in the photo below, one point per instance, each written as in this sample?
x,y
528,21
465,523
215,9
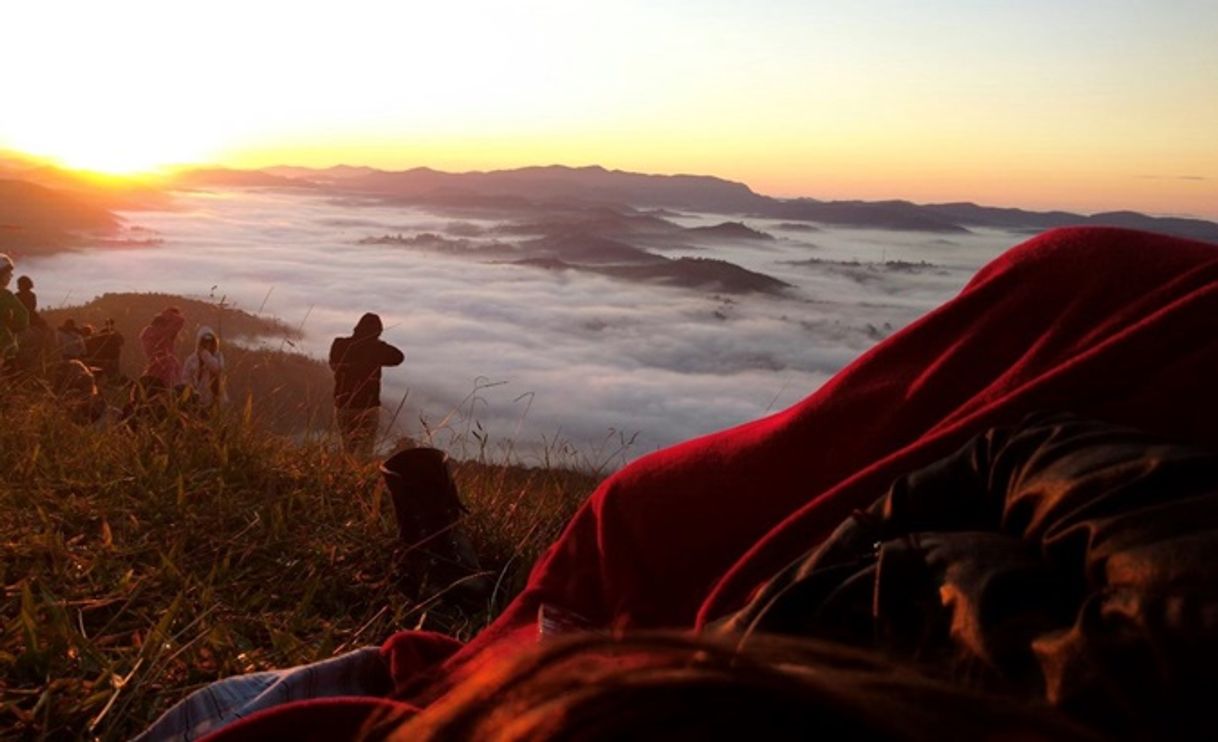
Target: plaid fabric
x,y
362,672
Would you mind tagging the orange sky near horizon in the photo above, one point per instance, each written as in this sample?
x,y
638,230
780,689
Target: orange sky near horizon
x,y
1098,106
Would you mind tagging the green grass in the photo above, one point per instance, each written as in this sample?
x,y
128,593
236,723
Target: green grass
x,y
138,566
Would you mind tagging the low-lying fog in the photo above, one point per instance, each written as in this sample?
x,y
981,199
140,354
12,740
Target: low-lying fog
x,y
581,356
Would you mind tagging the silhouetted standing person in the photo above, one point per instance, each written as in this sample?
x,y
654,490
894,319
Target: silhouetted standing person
x,y
38,340
14,319
29,300
357,362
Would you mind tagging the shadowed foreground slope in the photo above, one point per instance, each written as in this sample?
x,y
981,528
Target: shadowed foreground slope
x,y
139,566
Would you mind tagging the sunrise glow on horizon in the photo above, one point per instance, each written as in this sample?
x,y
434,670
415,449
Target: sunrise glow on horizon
x,y
1095,106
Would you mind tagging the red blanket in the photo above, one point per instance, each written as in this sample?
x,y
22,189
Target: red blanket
x,y
1109,323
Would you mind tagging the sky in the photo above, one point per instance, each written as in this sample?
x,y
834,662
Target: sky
x,y
1085,105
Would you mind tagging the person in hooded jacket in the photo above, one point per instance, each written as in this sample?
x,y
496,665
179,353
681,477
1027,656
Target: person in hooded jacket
x,y
203,371
357,362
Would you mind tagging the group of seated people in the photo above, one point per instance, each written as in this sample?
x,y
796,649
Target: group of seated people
x,y
99,349
1001,522
61,358
76,360
33,344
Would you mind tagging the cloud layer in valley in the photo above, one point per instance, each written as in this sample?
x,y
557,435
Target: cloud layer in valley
x,y
574,355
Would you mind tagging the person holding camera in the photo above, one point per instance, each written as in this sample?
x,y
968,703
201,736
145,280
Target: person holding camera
x,y
158,340
357,362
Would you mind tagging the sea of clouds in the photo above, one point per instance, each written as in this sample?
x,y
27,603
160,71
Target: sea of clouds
x,y
535,356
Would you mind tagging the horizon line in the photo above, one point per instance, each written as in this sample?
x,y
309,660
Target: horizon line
x,y
170,171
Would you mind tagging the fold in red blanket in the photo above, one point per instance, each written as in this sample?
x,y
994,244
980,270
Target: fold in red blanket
x,y
1109,323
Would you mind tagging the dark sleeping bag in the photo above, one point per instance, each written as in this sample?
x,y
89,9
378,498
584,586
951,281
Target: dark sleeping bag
x,y
1061,557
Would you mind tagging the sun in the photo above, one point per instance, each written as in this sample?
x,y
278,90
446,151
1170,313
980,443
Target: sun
x,y
111,157
110,163
113,146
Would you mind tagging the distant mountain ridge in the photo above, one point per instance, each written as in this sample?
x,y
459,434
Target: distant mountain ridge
x,y
590,252
34,218
595,185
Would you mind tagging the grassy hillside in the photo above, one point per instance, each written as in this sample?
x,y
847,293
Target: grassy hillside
x,y
139,565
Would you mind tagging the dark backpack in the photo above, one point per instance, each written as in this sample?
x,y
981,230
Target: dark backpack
x,y
427,505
